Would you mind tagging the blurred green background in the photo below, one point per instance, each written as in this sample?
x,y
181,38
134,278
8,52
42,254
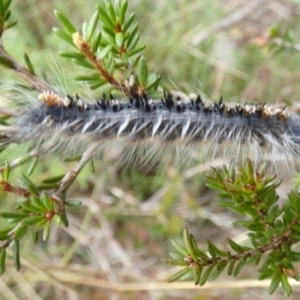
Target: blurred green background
x,y
113,246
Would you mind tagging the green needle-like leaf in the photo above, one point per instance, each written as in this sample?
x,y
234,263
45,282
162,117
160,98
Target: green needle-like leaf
x,y
123,10
16,254
179,249
6,172
46,230
92,26
65,22
104,17
32,220
119,39
142,70
111,11
64,36
206,274
20,232
276,279
179,275
2,260
28,63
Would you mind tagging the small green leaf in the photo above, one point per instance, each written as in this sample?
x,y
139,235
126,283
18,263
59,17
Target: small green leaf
x,y
173,255
6,172
111,12
2,260
199,252
6,230
103,16
276,278
16,254
123,10
27,181
136,50
32,220
57,220
46,202
175,262
285,285
32,208
29,64
179,275
132,35
142,71
239,266
84,30
53,179
236,247
47,187
10,25
119,39
41,224
32,166
197,271
32,189
72,203
179,249
90,78
7,15
218,270
37,203
83,63
71,54
8,215
64,36
103,53
6,4
211,251
230,267
96,42
152,81
110,40
64,219
206,274
216,250
35,236
135,41
188,244
46,230
97,85
92,26
20,232
128,22
65,22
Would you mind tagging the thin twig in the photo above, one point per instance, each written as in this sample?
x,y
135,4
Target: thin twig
x,y
36,83
73,173
20,160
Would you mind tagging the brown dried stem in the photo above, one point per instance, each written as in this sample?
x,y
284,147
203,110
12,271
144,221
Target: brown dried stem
x,y
73,173
84,48
7,187
22,72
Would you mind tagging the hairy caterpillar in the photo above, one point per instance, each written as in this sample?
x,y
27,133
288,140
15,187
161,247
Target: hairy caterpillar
x,y
140,126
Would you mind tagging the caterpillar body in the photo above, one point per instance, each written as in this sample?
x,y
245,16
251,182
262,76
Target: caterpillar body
x,y
140,126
